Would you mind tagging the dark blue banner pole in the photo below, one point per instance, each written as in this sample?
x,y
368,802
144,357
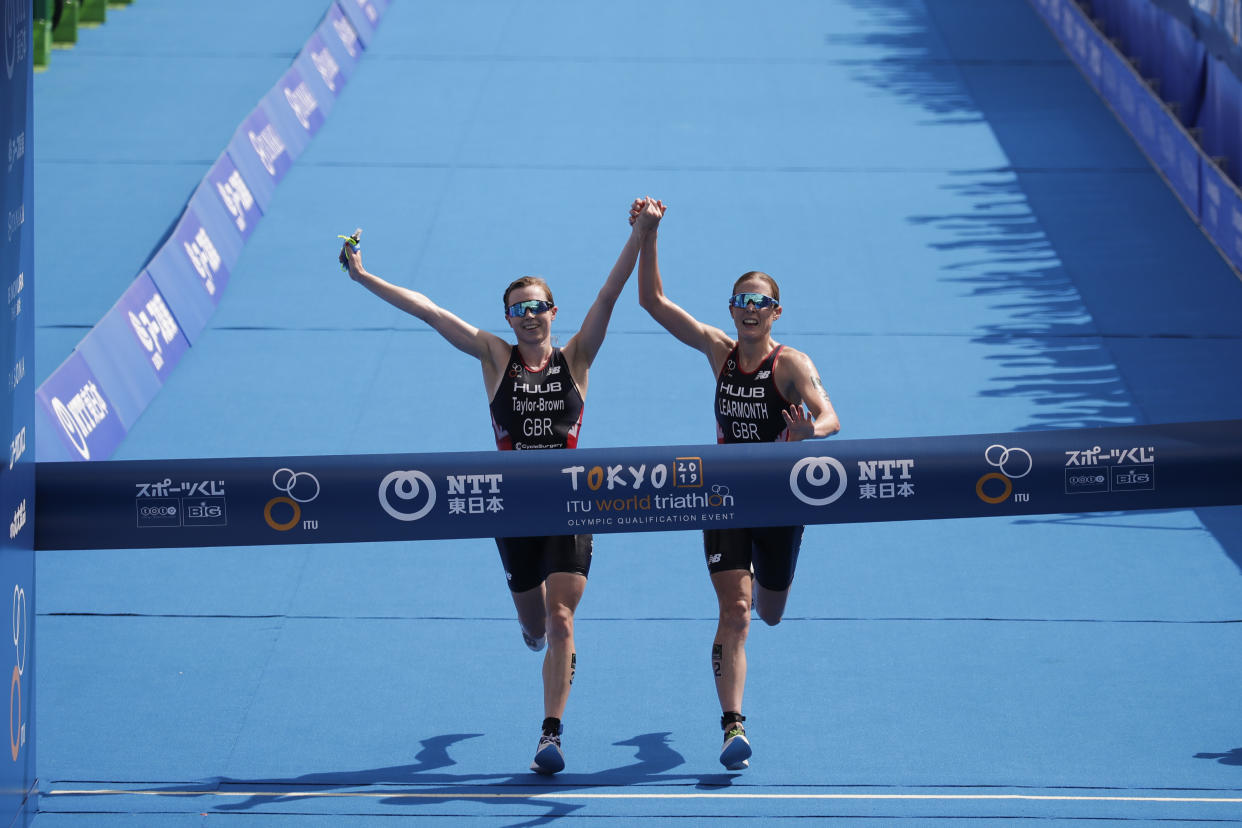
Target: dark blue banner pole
x,y
340,499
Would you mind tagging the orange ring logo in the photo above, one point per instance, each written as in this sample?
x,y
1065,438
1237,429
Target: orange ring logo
x,y
293,521
993,476
15,741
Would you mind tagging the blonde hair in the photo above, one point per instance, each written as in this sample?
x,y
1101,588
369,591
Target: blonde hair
x,y
527,281
759,274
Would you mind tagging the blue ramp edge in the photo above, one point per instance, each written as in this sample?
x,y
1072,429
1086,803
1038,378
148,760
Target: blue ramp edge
x,y
91,401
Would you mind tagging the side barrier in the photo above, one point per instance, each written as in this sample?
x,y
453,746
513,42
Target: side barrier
x,y
338,499
1204,188
18,784
92,400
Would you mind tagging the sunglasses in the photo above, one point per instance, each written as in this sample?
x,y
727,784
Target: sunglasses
x,y
519,309
741,300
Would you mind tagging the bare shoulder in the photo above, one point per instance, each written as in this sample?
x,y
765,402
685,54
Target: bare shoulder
x,y
793,363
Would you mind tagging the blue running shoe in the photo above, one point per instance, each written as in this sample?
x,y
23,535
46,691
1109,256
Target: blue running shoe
x,y
548,756
735,755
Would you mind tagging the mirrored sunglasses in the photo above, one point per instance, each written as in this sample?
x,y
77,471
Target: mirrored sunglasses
x,y
519,309
760,301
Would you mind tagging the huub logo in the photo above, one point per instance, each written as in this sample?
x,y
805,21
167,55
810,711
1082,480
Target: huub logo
x,y
817,474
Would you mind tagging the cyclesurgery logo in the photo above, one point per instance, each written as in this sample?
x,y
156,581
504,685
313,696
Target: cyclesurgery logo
x,y
299,488
1011,464
818,481
408,488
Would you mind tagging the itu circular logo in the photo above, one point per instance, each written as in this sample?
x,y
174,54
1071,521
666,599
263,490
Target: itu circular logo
x,y
817,481
299,488
408,487
1011,464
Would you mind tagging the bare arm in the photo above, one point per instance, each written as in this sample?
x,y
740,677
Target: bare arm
x,y
582,347
712,341
821,421
482,345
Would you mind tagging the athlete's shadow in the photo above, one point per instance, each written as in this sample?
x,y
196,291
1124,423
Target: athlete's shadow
x,y
1233,757
424,782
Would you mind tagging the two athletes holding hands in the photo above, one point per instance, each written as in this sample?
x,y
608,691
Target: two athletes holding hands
x,y
547,575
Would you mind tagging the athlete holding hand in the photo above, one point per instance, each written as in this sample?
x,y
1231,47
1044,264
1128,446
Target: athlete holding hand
x,y
765,392
536,393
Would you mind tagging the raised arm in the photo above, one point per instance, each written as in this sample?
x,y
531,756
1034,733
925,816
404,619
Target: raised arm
x,y
585,344
712,341
819,419
483,345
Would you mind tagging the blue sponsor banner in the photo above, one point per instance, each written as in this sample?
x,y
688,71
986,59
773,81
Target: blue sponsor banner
x,y
337,499
219,232
191,273
261,152
18,796
321,61
341,39
1222,212
324,98
364,16
79,410
228,185
294,108
134,348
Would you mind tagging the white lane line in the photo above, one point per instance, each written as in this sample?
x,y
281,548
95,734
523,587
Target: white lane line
x,y
1211,800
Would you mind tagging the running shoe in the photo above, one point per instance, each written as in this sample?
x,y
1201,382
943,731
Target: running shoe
x,y
548,756
735,755
535,645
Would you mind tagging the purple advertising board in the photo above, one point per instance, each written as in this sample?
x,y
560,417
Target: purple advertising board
x,y
364,16
294,107
77,414
341,40
261,152
191,273
318,60
233,193
134,348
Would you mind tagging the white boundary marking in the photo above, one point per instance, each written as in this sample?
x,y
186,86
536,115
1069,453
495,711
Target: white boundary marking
x,y
580,795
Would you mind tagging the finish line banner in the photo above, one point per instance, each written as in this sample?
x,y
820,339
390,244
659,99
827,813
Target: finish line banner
x,y
402,497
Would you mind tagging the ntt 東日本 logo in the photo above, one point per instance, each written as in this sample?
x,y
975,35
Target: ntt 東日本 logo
x,y
1011,464
817,481
408,487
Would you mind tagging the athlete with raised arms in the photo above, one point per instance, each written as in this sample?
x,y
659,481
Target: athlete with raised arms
x,y
536,393
765,392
